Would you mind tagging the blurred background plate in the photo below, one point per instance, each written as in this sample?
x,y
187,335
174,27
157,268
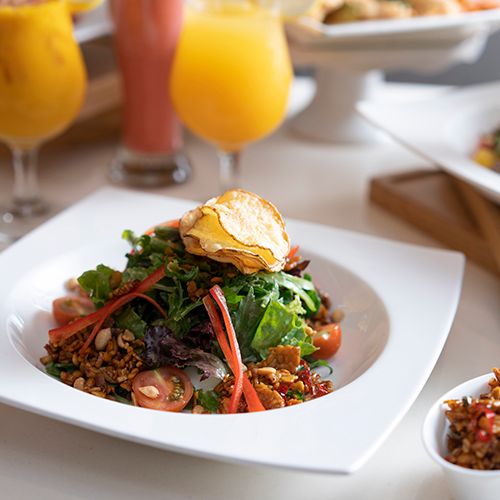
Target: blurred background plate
x,y
309,31
445,130
349,61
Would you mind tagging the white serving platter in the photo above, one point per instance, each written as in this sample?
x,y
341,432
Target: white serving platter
x,y
424,28
445,130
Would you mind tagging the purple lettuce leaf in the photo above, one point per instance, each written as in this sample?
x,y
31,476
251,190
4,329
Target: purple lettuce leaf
x,y
162,348
201,336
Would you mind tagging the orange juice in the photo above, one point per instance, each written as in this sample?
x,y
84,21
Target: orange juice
x,y
42,77
232,73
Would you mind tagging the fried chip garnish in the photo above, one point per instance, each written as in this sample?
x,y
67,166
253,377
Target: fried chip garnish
x,y
240,228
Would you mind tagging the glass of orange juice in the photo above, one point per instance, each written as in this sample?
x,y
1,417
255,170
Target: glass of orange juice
x,y
42,86
231,75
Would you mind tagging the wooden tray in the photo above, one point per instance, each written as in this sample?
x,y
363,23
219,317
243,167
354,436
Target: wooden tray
x,y
447,209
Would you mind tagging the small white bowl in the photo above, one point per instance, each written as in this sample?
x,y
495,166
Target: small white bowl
x,y
464,483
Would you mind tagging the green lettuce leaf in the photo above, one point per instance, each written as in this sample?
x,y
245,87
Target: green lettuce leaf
x,y
209,400
97,284
281,325
246,319
128,319
302,287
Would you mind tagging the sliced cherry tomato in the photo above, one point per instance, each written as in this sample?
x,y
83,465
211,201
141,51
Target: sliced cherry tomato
x,y
327,340
71,307
167,389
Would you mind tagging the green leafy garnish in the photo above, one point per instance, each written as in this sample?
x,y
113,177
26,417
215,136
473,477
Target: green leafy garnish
x,y
321,363
55,369
97,283
208,399
295,395
128,319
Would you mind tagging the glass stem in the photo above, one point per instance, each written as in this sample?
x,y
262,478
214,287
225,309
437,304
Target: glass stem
x,y
26,201
229,165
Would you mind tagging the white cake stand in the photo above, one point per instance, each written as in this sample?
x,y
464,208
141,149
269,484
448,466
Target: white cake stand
x,y
349,61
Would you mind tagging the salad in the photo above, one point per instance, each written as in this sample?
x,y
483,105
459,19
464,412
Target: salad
x,y
213,313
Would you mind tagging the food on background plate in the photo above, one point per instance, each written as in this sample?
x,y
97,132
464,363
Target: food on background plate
x,y
342,11
487,152
474,433
219,292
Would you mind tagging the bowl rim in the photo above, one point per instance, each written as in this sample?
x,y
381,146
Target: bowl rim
x,y
436,415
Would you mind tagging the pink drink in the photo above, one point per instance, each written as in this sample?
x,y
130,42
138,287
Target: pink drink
x,y
146,37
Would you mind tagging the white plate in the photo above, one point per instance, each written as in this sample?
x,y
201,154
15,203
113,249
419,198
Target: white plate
x,y
445,130
400,301
309,31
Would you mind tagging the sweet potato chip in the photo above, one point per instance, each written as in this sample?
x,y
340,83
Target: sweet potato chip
x,y
238,227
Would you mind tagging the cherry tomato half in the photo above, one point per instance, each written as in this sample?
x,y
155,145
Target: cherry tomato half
x,y
327,340
167,389
66,309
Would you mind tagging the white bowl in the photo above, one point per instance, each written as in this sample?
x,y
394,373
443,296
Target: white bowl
x,y
464,483
365,275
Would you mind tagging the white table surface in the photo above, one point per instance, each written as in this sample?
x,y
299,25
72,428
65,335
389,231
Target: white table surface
x,y
44,459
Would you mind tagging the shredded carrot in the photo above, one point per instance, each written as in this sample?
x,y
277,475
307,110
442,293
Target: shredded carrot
x,y
209,304
169,223
292,252
116,305
220,299
62,333
151,280
251,397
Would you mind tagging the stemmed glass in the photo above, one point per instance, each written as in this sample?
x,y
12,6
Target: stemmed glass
x,y
231,75
42,86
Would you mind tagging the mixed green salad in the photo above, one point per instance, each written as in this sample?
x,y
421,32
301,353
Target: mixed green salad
x,y
167,311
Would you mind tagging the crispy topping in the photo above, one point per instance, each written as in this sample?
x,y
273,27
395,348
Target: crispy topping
x,y
240,228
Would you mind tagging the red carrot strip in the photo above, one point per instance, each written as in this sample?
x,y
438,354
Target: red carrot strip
x,y
169,223
151,280
209,304
251,397
220,299
292,252
116,305
62,333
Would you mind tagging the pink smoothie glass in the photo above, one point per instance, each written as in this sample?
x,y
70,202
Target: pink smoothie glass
x,y
146,34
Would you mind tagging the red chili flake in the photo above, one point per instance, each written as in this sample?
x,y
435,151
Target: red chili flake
x,y
321,389
482,435
283,390
479,411
304,375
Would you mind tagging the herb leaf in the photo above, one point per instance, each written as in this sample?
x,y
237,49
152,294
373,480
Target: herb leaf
x,y
208,399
